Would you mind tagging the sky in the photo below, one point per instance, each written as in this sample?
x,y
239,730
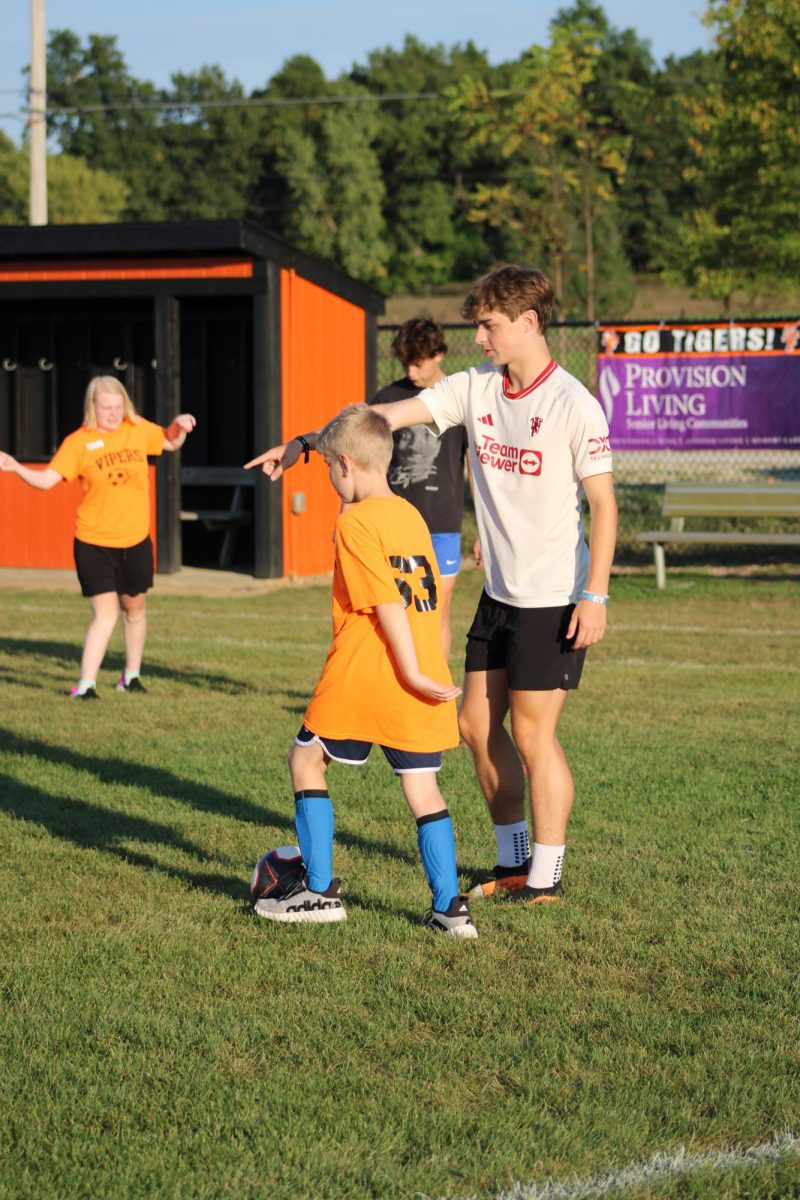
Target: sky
x,y
251,39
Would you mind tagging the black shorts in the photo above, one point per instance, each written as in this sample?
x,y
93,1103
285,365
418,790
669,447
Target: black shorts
x,y
530,644
127,571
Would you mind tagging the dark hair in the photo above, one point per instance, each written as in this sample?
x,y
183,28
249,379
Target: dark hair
x,y
417,339
511,290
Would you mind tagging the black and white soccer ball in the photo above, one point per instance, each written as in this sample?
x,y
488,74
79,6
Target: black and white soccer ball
x,y
276,872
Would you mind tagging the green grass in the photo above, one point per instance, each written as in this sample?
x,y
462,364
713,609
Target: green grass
x,y
158,1041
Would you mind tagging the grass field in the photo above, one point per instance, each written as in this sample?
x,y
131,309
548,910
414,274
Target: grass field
x,y
159,1041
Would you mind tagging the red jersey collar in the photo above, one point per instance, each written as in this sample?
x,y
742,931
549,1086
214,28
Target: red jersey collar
x,y
546,373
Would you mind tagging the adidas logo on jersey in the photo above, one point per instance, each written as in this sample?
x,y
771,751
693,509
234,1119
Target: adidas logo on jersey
x,y
487,419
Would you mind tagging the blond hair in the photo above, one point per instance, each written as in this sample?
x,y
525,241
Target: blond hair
x,y
362,434
106,383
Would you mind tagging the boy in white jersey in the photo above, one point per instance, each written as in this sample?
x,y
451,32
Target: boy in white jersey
x,y
538,442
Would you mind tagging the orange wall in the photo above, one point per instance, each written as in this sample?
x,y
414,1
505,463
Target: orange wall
x,y
324,368
37,528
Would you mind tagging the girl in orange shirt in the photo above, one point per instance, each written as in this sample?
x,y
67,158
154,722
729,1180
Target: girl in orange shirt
x,y
113,549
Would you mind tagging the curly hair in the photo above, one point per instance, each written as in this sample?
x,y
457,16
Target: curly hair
x,y
512,290
418,339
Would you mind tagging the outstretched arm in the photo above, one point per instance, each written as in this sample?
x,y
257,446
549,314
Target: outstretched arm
x,y
394,623
403,413
278,459
275,461
588,623
41,480
177,430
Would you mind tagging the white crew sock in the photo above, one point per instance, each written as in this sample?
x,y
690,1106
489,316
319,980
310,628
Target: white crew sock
x,y
84,685
513,848
129,675
546,866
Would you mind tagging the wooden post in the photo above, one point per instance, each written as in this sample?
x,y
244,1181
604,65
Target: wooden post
x,y
267,430
168,472
370,354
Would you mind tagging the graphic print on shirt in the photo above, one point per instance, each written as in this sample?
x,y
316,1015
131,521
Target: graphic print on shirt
x,y
113,465
418,450
408,567
599,448
501,457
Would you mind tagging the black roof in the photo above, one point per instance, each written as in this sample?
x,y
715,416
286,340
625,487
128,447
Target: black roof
x,y
48,242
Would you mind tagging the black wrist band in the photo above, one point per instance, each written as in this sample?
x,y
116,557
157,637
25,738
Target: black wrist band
x,y
306,448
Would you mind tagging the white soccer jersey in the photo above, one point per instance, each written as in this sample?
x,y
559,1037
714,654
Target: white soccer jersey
x,y
529,452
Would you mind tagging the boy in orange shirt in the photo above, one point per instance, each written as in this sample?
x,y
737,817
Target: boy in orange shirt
x,y
381,679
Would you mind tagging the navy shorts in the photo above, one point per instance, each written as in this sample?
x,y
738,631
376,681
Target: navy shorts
x,y
128,571
354,753
530,644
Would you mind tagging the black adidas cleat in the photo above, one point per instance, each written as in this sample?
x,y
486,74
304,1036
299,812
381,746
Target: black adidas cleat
x,y
501,881
455,922
530,895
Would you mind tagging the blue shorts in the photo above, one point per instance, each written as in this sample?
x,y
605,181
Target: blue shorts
x,y
447,548
354,753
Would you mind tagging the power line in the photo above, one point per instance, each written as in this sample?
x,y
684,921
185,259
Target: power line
x,y
293,101
257,102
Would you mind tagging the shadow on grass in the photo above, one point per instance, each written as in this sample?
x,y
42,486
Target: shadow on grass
x,y
90,826
159,782
68,655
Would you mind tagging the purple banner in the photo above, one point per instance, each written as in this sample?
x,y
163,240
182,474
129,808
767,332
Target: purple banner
x,y
701,387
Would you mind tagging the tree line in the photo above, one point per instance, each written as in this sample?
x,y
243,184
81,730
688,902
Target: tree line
x,y
426,165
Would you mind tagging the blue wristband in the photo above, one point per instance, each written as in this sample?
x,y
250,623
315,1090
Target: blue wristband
x,y
594,597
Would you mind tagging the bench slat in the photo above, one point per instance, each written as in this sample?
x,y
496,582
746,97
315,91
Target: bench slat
x,y
218,477
732,500
737,501
742,539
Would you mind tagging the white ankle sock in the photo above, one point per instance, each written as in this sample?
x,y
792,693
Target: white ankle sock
x,y
129,675
513,848
546,866
84,685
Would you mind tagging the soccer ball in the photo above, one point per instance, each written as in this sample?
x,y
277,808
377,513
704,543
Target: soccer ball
x,y
276,871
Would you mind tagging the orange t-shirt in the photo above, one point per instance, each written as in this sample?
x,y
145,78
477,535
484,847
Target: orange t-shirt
x,y
383,554
112,468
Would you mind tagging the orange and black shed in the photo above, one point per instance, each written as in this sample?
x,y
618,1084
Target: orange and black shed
x,y
220,318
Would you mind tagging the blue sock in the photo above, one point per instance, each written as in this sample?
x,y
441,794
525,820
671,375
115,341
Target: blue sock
x,y
437,849
313,820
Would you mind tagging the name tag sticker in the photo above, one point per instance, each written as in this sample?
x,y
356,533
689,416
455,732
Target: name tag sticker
x,y
95,445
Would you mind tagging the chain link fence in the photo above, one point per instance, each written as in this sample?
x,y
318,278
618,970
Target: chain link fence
x,y
640,475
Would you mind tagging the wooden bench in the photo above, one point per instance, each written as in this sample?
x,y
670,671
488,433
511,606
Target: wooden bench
x,y
739,501
235,480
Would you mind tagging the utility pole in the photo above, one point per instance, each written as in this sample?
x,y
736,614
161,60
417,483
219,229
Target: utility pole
x,y
37,122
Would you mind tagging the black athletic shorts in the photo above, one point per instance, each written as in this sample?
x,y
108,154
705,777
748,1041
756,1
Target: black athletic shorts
x,y
530,644
128,571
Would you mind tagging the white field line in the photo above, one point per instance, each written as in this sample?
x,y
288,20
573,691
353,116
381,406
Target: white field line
x,y
154,611
154,639
242,643
745,631
714,667
661,1168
